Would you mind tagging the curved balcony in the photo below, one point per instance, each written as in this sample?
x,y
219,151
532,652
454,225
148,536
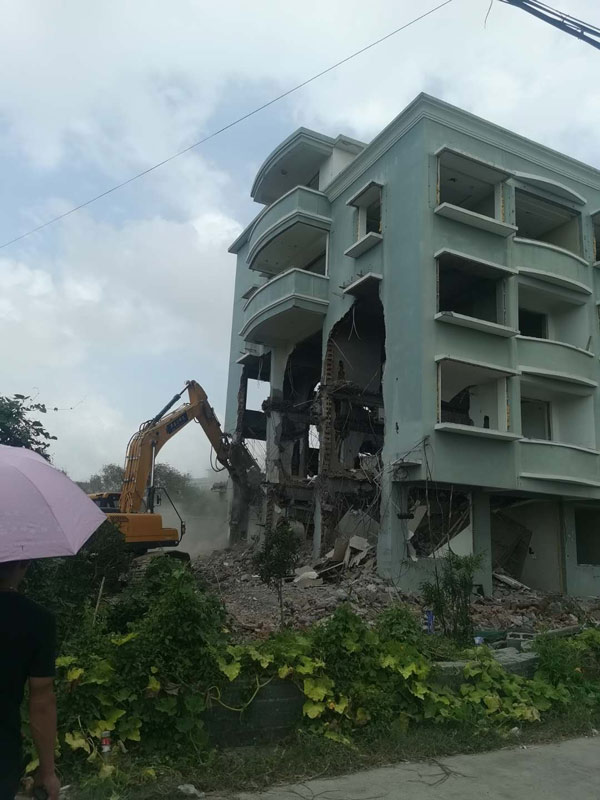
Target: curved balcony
x,y
288,308
559,463
550,263
556,360
291,232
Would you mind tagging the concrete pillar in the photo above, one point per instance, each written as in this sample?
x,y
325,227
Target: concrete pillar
x,y
279,360
569,548
482,538
393,533
317,526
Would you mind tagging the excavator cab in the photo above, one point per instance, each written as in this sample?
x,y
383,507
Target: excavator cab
x,y
142,531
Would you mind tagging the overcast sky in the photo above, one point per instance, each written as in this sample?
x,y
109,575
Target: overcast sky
x,y
108,312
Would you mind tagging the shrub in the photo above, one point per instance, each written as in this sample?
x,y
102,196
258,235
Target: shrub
x,y
449,595
68,586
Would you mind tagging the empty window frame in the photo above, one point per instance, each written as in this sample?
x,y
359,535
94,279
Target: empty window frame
x,y
587,535
533,323
470,184
470,288
549,313
472,395
368,205
570,413
536,419
545,221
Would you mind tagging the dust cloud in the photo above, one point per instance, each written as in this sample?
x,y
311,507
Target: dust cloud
x,y
205,516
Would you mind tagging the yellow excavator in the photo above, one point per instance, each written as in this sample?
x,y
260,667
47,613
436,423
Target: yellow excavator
x,y
132,509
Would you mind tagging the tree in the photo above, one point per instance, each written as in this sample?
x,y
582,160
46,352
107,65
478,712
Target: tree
x,y
179,485
277,558
17,429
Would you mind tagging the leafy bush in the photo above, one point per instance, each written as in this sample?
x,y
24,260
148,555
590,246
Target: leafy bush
x,y
155,678
572,662
449,595
68,586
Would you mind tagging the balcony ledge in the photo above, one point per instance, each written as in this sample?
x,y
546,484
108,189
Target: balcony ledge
x,y
565,377
363,245
542,476
471,430
475,220
476,324
556,342
554,247
556,280
566,445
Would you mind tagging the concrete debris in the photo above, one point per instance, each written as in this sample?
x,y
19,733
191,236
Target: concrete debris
x,y
358,543
512,582
253,607
339,549
356,523
302,570
190,790
308,580
306,574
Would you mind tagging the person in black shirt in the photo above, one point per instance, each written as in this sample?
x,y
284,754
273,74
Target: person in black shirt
x,y
27,653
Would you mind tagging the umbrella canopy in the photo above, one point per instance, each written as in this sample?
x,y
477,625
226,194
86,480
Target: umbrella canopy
x,y
42,512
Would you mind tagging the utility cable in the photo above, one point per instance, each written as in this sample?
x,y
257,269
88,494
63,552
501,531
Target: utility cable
x,y
224,128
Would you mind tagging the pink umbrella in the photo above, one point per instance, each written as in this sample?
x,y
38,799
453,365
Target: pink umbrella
x,y
42,512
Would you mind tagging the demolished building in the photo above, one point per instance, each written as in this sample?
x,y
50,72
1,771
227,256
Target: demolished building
x,y
423,310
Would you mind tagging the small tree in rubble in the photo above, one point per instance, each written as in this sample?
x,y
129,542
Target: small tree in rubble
x,y
276,559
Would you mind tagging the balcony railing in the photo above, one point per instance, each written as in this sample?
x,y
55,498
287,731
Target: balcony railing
x,y
559,463
292,228
550,359
290,307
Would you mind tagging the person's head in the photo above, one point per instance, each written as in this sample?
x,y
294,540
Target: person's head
x,y
12,573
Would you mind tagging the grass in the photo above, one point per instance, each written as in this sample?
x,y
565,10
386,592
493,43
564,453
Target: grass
x,y
306,756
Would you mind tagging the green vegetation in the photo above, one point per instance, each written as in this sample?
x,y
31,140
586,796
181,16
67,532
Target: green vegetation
x,y
146,661
17,429
276,559
449,594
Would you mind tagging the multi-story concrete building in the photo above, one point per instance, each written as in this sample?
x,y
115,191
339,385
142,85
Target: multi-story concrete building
x,y
424,308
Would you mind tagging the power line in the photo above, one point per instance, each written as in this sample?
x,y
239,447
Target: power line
x,y
224,128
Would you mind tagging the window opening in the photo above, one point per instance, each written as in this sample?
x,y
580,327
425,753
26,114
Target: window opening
x,y
545,221
535,419
368,205
465,287
472,395
469,184
373,213
587,536
533,323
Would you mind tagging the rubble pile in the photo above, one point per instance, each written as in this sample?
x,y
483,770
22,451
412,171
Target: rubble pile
x,y
348,575
310,595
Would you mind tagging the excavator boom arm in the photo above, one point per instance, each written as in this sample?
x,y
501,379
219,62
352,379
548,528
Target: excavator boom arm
x,y
153,435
